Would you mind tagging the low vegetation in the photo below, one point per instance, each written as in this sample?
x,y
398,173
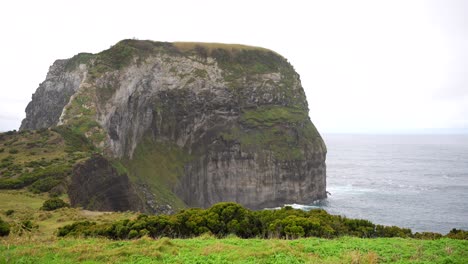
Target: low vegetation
x,y
54,204
225,219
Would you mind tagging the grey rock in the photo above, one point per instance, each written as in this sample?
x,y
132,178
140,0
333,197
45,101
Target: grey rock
x,y
53,94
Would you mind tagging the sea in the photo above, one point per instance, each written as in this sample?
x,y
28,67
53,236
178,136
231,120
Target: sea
x,y
413,181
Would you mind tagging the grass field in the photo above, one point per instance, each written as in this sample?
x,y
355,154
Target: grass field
x,y
233,250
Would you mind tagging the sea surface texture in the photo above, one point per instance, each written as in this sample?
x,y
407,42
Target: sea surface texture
x,y
414,181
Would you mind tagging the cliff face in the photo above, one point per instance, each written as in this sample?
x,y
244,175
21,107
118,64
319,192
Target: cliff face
x,y
52,95
192,123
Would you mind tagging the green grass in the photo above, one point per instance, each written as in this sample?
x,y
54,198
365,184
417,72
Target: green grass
x,y
233,250
20,200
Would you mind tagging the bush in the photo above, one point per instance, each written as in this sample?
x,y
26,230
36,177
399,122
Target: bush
x,y
28,225
9,212
13,151
458,234
228,219
53,204
78,228
4,228
427,235
44,185
11,132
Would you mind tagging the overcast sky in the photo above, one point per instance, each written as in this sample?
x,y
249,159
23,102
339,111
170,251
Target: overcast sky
x,y
366,66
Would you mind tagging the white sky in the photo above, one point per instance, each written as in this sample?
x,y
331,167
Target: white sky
x,y
366,66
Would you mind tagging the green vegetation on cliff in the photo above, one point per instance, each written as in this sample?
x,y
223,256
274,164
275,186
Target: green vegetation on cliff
x,y
270,115
283,130
80,116
157,165
75,61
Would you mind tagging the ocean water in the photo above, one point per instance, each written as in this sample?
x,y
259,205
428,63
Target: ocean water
x,y
414,181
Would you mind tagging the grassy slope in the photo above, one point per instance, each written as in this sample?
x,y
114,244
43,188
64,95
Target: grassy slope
x,y
40,160
26,207
234,250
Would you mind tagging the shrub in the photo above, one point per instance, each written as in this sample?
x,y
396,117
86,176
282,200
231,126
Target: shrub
x,y
9,212
77,228
44,185
225,219
427,235
53,204
28,225
458,234
11,132
133,234
13,151
4,228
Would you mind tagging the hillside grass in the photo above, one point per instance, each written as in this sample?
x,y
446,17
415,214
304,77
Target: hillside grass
x,y
233,250
40,160
25,206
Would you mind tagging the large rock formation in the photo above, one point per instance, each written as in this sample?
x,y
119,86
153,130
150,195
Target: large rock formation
x,y
192,123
